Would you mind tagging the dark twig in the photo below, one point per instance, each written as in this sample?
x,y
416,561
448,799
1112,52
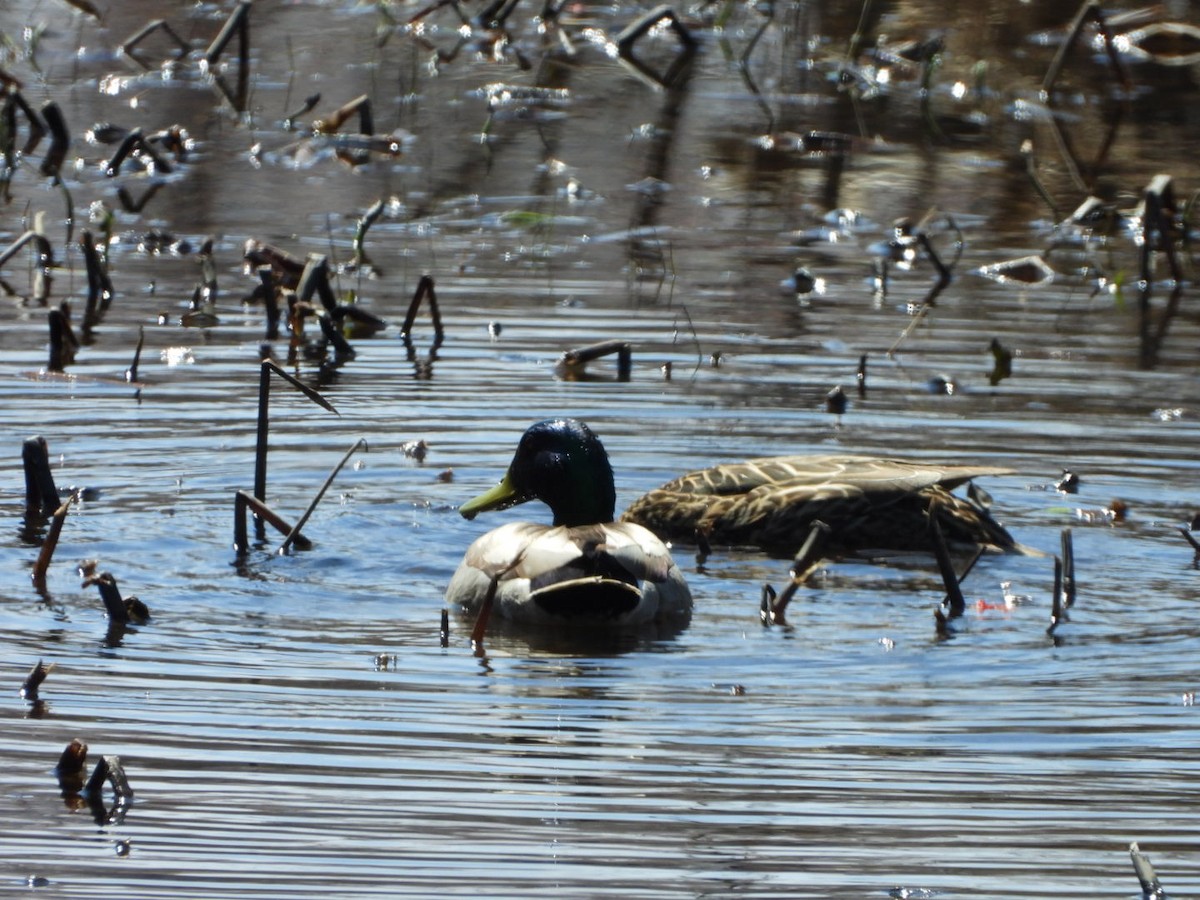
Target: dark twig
x,y
244,502
120,610
1068,572
131,374
289,540
1088,12
638,28
573,364
485,608
1058,612
145,31
484,615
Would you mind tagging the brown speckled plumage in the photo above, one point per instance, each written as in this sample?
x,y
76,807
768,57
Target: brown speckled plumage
x,y
869,503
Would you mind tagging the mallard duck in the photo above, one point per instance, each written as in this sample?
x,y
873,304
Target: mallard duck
x,y
868,503
584,569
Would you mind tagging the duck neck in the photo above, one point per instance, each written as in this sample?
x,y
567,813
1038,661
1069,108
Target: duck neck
x,y
586,498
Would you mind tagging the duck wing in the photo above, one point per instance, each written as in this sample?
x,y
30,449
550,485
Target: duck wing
x,y
869,503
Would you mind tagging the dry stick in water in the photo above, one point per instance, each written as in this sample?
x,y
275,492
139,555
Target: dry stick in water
x,y
145,31
60,139
120,610
131,374
237,23
1068,573
109,769
1089,11
16,245
1152,888
264,393
41,494
943,281
283,548
360,233
485,608
244,502
424,289
29,690
573,363
51,542
1058,612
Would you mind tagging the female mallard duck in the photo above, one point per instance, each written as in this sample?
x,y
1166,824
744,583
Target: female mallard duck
x,y
868,503
586,568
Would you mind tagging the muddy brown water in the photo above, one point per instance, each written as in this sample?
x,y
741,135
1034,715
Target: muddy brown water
x,y
291,726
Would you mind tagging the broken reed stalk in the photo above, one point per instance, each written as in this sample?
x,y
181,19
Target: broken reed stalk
x,y
131,374
1058,612
270,301
485,608
1088,12
60,139
638,28
245,502
954,596
72,760
314,279
148,29
573,363
810,556
286,267
331,332
264,395
1152,888
63,343
360,233
16,245
484,615
943,281
109,769
290,539
29,690
1158,227
334,122
114,605
51,542
41,494
425,290
136,140
237,24
1068,572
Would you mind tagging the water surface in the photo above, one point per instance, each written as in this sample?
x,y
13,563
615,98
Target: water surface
x,y
291,725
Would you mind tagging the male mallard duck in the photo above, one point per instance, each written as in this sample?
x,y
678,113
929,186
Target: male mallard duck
x,y
586,568
868,503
